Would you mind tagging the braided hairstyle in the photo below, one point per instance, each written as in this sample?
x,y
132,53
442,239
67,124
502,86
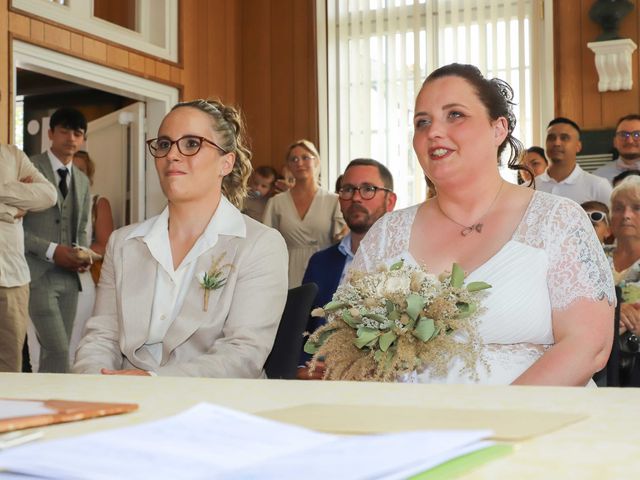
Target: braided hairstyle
x,y
496,95
228,123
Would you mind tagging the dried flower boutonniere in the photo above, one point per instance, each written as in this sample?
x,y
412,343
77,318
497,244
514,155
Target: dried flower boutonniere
x,y
214,278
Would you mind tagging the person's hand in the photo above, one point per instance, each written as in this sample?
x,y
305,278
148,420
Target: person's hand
x,y
630,318
305,373
27,179
130,371
67,257
20,213
282,186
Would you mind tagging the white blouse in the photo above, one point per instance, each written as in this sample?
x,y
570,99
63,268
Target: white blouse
x,y
171,284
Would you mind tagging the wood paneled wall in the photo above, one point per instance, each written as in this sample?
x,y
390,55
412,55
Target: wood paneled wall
x,y
257,54
278,78
576,77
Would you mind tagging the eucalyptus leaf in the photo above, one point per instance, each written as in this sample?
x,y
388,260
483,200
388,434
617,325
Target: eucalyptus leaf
x,y
397,265
379,355
457,276
310,347
375,316
477,286
393,316
324,336
387,339
415,304
334,305
349,320
389,306
372,343
366,335
466,309
425,328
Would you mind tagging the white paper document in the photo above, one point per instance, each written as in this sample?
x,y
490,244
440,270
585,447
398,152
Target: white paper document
x,y
212,442
22,408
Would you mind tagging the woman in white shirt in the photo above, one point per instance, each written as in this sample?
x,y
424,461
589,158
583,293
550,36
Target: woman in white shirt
x,y
156,312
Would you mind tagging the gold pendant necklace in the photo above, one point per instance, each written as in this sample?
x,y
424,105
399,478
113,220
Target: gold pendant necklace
x,y
476,227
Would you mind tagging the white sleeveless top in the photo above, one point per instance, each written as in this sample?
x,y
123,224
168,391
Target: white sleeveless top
x,y
552,259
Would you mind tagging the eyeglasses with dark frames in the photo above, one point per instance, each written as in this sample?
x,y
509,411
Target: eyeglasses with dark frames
x,y
624,135
366,191
597,216
188,145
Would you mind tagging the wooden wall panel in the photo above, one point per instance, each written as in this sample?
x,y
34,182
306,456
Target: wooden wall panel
x,y
256,98
576,77
210,32
284,78
257,54
279,92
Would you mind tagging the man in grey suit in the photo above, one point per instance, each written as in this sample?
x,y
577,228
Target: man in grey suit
x,y
50,237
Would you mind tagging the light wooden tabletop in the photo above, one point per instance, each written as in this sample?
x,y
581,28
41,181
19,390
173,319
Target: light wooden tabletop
x,y
604,446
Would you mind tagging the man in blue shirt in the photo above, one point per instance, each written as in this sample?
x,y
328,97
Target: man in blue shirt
x,y
366,194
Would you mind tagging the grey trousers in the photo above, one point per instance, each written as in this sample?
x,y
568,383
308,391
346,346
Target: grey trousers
x,y
14,316
52,306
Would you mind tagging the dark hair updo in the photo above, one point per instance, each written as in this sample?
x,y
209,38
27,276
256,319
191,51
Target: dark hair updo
x,y
496,95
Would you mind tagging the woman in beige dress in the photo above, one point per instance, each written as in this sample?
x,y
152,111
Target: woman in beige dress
x,y
308,217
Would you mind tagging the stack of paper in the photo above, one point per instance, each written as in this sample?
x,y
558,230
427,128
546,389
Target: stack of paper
x,y
210,442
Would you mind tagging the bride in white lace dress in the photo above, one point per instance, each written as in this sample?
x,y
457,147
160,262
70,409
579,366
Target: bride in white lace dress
x,y
548,317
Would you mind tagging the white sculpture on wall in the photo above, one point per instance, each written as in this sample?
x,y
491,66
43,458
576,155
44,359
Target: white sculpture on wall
x,y
613,62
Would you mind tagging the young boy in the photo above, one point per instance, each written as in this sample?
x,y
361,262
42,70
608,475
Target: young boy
x,y
261,184
599,215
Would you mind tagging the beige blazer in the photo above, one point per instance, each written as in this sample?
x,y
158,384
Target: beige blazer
x,y
232,339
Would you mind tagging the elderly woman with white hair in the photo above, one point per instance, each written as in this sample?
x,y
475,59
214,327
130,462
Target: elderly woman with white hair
x,y
624,256
308,217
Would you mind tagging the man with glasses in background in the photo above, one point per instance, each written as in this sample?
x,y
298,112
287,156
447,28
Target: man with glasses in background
x,y
366,194
627,142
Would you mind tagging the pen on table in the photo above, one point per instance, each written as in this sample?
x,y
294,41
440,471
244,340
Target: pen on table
x,y
13,439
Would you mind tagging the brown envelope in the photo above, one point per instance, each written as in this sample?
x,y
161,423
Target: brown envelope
x,y
507,425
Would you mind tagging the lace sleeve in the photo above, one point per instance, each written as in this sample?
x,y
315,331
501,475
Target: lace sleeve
x,y
578,267
387,240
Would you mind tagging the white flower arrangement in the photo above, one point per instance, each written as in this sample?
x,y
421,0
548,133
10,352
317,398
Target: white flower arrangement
x,y
388,323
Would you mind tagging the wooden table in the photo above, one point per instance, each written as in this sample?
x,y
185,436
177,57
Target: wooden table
x,y
604,446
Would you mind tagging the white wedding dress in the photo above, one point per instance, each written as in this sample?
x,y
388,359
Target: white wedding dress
x,y
552,259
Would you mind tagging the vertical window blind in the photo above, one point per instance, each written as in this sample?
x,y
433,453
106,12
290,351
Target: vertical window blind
x,y
379,53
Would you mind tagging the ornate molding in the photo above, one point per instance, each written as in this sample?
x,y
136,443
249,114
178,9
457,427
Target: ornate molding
x,y
613,62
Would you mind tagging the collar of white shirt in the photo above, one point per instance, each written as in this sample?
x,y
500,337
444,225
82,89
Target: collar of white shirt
x,y
56,164
345,246
623,166
571,179
227,220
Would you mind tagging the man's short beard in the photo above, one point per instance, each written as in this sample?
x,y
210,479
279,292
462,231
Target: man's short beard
x,y
360,227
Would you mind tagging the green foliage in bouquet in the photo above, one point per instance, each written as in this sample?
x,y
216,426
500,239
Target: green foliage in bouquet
x,y
385,324
631,292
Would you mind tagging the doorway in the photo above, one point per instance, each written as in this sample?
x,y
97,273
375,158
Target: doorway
x,y
143,104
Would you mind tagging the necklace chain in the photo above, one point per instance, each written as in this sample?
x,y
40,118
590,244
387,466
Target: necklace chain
x,y
477,226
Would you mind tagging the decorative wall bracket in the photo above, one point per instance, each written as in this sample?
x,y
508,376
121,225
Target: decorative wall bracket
x,y
613,62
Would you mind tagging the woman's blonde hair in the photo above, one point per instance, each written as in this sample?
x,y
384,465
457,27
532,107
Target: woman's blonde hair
x,y
91,166
630,185
228,123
